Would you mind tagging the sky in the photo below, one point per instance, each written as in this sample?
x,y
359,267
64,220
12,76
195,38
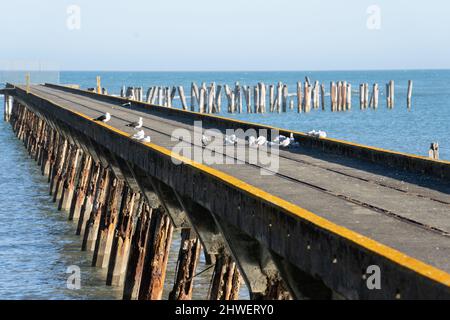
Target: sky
x,y
229,35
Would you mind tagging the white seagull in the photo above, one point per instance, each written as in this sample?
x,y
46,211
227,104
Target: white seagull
x,y
317,134
104,117
139,135
251,141
261,141
147,139
279,139
231,139
205,140
285,143
136,124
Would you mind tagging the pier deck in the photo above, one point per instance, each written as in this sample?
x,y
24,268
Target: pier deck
x,y
398,216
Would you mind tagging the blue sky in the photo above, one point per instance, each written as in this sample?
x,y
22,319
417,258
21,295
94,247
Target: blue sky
x,y
226,35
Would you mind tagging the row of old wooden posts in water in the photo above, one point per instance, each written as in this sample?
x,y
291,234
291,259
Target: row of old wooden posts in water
x,y
127,235
263,98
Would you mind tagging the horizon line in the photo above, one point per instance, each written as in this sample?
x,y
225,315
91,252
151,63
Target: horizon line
x,y
218,70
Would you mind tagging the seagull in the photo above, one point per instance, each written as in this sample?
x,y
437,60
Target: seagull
x,y
205,140
104,117
126,104
139,135
279,139
261,141
232,139
136,124
251,141
317,134
285,143
147,139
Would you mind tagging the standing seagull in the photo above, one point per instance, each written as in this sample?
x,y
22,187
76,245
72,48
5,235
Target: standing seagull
x,y
105,117
205,140
261,141
136,124
139,135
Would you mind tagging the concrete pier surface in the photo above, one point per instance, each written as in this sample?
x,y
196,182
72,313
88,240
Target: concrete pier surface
x,y
328,210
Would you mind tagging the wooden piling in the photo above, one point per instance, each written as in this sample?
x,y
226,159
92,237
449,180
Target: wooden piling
x,y
218,99
409,94
262,92
349,96
92,224
195,95
230,99
81,187
316,95
285,97
361,96
88,202
157,255
279,96
62,173
238,97
137,253
202,98
69,183
58,164
256,99
392,92
120,249
366,95
107,226
225,283
322,96
299,97
271,98
210,100
307,95
344,96
333,97
182,97
188,257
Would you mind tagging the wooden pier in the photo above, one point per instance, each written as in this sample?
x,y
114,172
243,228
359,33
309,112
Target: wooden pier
x,y
309,230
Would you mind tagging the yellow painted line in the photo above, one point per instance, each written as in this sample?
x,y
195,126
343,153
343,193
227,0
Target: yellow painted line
x,y
281,129
394,255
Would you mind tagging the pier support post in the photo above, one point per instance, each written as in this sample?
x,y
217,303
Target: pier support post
x,y
7,108
409,94
108,222
92,224
225,280
82,183
157,256
69,181
187,264
121,243
137,252
57,165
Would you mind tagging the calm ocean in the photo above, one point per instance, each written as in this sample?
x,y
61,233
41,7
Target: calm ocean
x,y
37,244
